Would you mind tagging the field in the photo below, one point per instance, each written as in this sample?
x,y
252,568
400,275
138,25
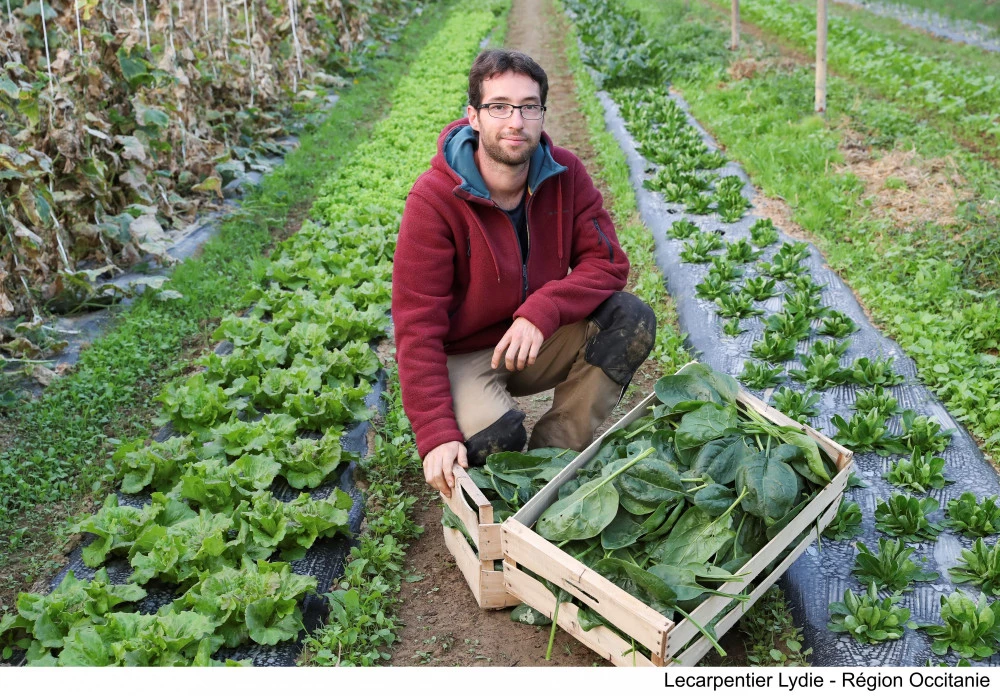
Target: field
x,y
844,266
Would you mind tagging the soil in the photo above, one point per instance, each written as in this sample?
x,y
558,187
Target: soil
x,y
442,625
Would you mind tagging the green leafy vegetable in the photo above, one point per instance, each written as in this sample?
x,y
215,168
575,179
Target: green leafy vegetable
x,y
870,619
889,568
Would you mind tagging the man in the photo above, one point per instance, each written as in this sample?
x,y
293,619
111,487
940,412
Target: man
x,y
506,282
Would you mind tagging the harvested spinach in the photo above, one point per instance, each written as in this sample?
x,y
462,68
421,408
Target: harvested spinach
x,y
673,506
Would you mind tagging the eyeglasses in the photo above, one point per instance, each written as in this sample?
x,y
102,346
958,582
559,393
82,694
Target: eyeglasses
x,y
529,112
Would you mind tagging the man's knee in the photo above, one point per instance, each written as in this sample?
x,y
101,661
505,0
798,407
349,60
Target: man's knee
x,y
506,434
628,331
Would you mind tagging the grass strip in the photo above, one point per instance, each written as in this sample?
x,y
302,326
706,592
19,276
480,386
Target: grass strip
x,y
58,445
963,102
929,284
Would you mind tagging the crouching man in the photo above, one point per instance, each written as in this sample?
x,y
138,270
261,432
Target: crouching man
x,y
507,281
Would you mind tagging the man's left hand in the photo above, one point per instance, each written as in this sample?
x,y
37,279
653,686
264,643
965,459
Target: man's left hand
x,y
521,344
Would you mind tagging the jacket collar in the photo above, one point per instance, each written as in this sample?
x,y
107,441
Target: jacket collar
x,y
457,148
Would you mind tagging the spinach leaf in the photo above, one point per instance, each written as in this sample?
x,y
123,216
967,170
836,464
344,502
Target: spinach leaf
x,y
714,499
624,530
771,487
696,537
588,510
710,422
720,459
652,482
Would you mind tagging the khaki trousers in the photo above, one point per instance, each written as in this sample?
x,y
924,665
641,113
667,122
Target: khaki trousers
x,y
584,396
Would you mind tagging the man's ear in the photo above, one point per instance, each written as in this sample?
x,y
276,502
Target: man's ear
x,y
473,116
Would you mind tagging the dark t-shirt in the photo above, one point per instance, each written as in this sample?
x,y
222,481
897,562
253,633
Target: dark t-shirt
x,y
520,221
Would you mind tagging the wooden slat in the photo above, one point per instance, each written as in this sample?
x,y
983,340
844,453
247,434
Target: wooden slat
x,y
486,583
700,648
523,547
707,610
601,640
465,558
478,522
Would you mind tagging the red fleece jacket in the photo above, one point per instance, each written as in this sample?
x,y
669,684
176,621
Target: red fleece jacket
x,y
458,281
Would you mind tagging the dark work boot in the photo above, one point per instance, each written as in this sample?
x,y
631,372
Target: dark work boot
x,y
506,434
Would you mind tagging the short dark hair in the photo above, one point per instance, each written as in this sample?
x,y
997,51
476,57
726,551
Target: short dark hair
x,y
497,61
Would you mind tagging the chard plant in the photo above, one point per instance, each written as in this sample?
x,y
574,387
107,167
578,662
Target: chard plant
x,y
773,348
795,404
736,305
906,518
820,371
742,251
835,348
732,327
868,618
788,325
921,472
760,288
713,287
865,432
763,233
980,566
969,627
838,325
877,399
875,372
699,248
890,568
974,519
725,267
731,205
760,376
783,267
804,284
846,524
698,203
922,433
804,303
682,229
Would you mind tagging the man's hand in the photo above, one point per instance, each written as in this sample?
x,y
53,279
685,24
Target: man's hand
x,y
521,344
440,461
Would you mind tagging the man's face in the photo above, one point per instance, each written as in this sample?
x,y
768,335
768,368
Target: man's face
x,y
509,141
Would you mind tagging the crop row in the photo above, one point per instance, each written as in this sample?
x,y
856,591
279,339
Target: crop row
x,y
935,85
118,121
272,408
745,275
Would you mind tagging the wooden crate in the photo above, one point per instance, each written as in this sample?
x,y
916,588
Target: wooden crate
x,y
667,641
476,513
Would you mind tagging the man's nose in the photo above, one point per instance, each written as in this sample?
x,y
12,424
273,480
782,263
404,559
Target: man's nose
x,y
517,119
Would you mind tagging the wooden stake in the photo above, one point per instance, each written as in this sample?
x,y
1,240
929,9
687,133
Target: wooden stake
x,y
79,32
145,21
821,24
734,32
48,61
295,37
206,16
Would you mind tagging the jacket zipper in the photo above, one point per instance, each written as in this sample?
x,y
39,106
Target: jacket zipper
x,y
527,229
600,232
527,253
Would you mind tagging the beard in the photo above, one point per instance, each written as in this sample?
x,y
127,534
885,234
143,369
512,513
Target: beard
x,y
495,150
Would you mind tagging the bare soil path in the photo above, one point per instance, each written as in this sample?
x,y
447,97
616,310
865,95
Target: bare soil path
x,y
442,623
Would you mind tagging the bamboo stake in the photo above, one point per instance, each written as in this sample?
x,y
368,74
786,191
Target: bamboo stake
x,y
205,4
79,32
10,14
734,32
821,25
295,37
145,21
